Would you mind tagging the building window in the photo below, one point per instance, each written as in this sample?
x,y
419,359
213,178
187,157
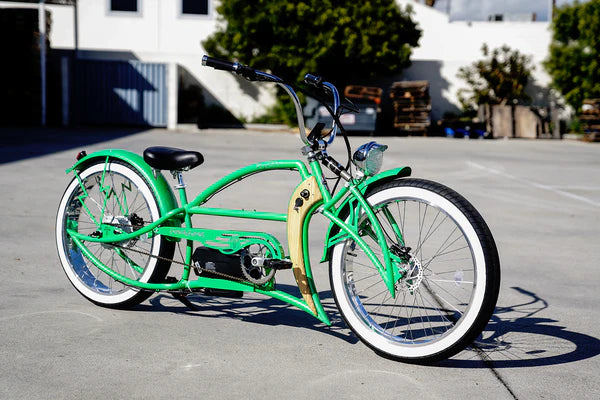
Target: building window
x,y
194,7
124,5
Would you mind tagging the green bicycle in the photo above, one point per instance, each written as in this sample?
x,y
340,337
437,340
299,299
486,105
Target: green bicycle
x,y
413,267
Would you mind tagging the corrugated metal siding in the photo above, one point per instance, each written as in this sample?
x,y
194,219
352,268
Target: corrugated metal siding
x,y
121,92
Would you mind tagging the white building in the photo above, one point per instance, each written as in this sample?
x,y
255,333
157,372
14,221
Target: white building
x,y
164,31
170,31
445,46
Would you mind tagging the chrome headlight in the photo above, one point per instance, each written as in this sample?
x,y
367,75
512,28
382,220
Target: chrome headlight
x,y
369,157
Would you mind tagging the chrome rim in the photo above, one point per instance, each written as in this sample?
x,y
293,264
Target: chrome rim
x,y
439,283
125,207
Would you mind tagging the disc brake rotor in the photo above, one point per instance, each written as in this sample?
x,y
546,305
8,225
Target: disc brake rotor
x,y
413,276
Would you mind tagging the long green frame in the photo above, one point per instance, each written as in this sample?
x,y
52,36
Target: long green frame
x,y
228,241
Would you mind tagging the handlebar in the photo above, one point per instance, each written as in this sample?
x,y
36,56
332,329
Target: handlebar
x,y
256,75
336,106
237,68
218,64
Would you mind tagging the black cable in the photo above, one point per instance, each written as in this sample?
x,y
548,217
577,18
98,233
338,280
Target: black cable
x,y
336,119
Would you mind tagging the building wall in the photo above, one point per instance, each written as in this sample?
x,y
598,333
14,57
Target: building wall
x,y
62,32
159,33
157,27
446,46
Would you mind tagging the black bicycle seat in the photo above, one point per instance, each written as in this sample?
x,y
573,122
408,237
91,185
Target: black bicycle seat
x,y
171,158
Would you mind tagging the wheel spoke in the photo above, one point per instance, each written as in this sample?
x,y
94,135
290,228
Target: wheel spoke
x,y
449,294
430,260
429,232
421,223
366,277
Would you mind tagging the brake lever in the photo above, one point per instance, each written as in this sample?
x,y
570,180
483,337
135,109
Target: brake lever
x,y
315,133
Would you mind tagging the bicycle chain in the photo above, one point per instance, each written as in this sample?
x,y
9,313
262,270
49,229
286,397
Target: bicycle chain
x,y
229,277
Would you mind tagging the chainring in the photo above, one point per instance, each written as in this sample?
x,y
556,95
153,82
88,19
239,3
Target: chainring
x,y
254,272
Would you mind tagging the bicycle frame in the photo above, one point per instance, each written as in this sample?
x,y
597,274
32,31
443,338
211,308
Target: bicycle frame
x,y
228,241
413,267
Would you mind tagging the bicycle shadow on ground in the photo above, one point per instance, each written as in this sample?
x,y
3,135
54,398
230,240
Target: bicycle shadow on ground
x,y
21,143
255,308
516,338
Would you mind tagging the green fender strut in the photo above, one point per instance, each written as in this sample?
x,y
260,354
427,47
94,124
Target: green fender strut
x,y
156,180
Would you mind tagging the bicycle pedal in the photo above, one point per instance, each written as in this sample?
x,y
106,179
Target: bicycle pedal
x,y
278,264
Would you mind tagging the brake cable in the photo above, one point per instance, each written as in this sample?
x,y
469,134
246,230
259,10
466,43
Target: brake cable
x,y
336,119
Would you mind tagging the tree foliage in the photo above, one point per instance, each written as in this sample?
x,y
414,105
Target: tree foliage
x,y
346,42
500,78
574,61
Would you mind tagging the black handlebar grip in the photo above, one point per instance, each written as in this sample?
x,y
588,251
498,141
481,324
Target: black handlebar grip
x,y
218,64
313,80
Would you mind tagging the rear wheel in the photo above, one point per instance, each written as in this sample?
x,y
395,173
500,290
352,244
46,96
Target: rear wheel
x,y
450,268
111,195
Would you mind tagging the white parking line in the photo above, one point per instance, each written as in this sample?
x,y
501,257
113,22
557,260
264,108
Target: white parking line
x,y
552,189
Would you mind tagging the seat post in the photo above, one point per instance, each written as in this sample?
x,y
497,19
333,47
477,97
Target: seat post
x,y
180,186
189,244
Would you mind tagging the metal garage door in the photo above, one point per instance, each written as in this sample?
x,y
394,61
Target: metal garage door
x,y
120,93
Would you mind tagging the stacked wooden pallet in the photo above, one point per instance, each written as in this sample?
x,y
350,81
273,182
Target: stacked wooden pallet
x,y
364,93
590,119
412,106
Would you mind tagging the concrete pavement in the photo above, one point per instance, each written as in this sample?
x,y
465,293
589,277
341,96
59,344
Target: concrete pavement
x,y
541,200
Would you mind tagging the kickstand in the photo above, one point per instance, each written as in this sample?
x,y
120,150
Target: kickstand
x,y
183,299
181,296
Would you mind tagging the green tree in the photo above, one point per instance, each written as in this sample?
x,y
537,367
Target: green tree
x,y
500,78
574,61
346,42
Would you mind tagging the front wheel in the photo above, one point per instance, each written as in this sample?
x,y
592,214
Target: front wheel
x,y
449,273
